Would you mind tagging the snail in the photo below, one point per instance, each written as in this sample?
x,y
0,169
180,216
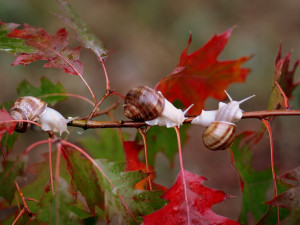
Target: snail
x,y
36,110
145,104
220,124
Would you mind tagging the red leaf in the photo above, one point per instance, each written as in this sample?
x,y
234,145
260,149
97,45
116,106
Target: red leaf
x,y
199,75
200,201
6,126
53,49
132,149
286,76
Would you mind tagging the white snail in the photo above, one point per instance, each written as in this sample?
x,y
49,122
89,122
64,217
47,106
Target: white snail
x,y
36,110
145,104
220,124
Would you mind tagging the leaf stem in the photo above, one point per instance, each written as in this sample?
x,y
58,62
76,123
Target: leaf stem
x,y
75,69
183,174
267,124
146,157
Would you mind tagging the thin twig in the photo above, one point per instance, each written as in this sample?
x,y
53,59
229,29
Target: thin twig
x,y
87,124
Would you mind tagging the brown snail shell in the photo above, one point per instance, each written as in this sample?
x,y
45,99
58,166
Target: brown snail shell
x,y
219,135
143,104
27,108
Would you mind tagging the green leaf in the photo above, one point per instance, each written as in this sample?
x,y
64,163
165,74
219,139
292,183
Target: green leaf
x,y
7,179
48,213
139,202
255,183
161,139
8,141
106,144
46,88
12,45
88,38
84,178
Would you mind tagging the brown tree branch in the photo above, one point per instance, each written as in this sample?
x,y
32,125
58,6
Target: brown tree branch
x,y
87,124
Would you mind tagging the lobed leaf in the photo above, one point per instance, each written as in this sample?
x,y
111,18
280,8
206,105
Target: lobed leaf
x,y
106,144
89,39
200,75
6,126
156,141
84,178
7,179
12,45
200,201
54,49
133,163
46,88
140,202
290,199
254,184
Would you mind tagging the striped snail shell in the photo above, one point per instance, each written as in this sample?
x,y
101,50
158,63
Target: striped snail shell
x,y
27,108
220,124
35,110
143,104
219,135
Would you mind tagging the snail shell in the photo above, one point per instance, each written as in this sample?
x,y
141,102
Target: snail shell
x,y
219,135
27,108
33,109
143,103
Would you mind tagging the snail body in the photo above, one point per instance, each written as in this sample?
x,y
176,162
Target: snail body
x,y
33,109
145,104
220,124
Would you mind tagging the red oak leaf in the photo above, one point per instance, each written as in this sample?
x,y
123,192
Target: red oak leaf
x,y
286,76
200,201
132,149
6,126
53,49
200,75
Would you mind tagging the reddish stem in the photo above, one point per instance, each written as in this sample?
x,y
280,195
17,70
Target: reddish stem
x,y
57,167
69,95
267,124
19,215
50,166
99,103
106,75
78,73
183,175
146,157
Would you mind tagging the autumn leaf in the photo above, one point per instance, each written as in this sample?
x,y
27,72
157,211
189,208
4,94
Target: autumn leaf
x,y
89,39
200,75
286,79
140,202
7,179
200,201
53,49
12,45
4,125
290,199
133,163
84,178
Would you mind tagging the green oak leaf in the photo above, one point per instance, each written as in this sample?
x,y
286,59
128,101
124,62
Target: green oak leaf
x,y
7,179
12,45
105,144
46,88
139,202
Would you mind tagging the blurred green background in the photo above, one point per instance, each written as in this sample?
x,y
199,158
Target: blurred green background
x,y
145,40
